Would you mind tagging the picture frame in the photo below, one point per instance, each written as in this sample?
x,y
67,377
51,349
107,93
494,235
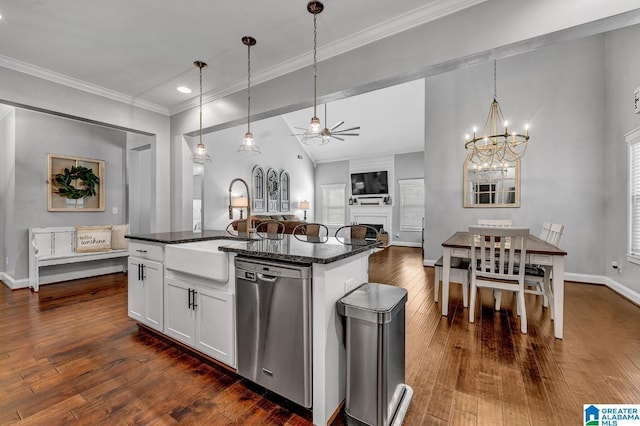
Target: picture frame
x,y
57,201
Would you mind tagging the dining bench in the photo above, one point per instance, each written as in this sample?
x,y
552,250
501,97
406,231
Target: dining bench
x,y
56,246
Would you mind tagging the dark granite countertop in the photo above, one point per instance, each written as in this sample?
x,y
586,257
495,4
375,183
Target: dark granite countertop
x,y
284,248
181,237
295,249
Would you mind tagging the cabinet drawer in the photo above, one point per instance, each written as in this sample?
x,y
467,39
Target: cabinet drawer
x,y
147,250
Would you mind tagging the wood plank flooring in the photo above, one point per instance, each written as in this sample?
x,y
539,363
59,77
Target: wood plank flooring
x,y
70,355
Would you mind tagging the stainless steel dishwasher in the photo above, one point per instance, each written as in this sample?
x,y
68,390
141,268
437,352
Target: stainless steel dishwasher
x,y
274,327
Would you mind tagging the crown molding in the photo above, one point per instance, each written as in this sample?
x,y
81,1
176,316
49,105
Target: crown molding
x,y
390,27
75,83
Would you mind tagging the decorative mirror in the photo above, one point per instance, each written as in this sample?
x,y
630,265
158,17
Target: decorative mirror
x,y
492,185
257,178
273,186
284,191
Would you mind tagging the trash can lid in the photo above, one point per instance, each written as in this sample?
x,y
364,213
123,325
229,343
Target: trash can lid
x,y
373,302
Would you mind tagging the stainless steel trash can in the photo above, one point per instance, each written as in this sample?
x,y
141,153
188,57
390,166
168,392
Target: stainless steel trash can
x,y
375,343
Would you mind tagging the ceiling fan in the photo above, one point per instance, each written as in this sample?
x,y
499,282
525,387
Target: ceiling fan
x,y
324,136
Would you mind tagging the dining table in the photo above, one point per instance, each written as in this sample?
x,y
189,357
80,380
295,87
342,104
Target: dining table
x,y
538,252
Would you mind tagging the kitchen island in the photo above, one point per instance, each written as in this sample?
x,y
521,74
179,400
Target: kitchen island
x,y
337,268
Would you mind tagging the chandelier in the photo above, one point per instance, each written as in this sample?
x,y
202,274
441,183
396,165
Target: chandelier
x,y
248,145
495,144
200,153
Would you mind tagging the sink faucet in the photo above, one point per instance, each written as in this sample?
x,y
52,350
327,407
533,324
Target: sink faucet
x,y
248,225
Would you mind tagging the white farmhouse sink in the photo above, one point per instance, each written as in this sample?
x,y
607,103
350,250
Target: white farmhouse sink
x,y
201,258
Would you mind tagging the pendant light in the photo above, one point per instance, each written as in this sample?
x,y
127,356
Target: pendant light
x,y
315,8
495,145
248,145
200,153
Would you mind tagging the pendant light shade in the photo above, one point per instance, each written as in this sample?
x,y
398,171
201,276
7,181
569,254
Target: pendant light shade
x,y
248,144
200,153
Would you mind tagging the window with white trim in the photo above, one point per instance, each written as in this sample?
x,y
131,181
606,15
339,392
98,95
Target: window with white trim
x,y
411,204
334,204
633,139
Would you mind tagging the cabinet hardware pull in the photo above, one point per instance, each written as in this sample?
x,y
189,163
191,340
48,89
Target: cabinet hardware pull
x,y
190,298
141,251
144,269
195,305
139,271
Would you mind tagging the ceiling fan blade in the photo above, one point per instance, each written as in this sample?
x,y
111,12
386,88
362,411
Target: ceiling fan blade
x,y
300,128
346,134
335,137
347,130
338,124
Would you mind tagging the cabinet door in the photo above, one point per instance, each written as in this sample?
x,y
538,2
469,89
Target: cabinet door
x,y
153,280
179,316
216,325
136,297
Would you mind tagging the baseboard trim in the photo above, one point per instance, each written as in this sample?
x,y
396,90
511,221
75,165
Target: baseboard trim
x,y
623,291
12,283
406,244
428,262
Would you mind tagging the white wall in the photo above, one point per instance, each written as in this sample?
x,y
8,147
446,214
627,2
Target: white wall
x,y
622,77
559,91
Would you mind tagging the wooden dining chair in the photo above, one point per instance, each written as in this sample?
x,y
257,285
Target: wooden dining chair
x,y
496,223
537,277
497,261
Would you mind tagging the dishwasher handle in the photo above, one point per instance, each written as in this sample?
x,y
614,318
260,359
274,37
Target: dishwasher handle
x,y
267,278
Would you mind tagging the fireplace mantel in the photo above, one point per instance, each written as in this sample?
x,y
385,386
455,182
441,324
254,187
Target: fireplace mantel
x,y
378,215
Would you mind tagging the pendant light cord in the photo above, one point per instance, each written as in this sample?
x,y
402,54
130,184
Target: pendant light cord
x,y
200,66
248,88
315,66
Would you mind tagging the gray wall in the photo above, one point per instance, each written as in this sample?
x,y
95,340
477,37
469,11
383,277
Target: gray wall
x,y
407,166
623,76
7,178
279,150
559,91
38,135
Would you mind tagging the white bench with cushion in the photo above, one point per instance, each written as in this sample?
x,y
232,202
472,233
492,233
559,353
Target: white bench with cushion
x,y
58,246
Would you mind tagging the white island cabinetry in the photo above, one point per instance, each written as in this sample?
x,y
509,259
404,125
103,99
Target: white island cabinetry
x,y
202,317
145,284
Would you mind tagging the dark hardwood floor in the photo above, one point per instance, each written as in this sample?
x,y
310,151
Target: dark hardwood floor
x,y
70,355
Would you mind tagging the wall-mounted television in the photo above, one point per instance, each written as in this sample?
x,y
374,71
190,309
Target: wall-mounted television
x,y
369,183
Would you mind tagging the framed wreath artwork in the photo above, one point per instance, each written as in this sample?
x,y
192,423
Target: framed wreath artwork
x,y
75,184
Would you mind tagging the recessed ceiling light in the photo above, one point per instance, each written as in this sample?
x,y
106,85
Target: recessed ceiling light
x,y
183,89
